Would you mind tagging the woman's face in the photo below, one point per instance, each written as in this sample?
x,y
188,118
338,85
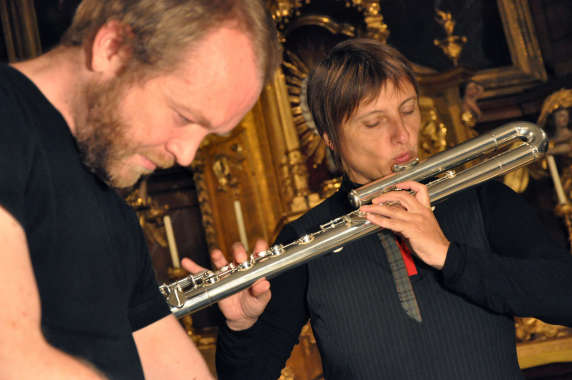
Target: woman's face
x,y
381,133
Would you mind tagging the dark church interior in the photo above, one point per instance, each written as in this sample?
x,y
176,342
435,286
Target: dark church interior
x,y
480,64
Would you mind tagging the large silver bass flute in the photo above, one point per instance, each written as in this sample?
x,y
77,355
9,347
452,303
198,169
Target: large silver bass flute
x,y
195,292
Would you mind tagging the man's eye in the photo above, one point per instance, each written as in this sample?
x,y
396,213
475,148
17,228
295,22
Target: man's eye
x,y
182,120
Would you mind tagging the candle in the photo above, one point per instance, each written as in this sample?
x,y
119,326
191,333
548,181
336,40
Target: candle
x,y
171,240
240,223
143,191
556,179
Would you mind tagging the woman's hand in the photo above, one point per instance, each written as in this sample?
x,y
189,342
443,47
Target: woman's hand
x,y
412,217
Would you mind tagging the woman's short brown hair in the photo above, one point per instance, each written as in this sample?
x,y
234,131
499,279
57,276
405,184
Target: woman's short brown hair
x,y
353,72
160,30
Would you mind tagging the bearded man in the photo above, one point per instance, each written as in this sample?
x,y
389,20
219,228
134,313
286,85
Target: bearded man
x,y
133,86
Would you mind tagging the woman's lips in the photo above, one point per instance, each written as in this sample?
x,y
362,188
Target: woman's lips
x,y
402,159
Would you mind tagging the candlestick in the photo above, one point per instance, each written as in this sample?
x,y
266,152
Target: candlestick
x,y
240,223
171,240
556,179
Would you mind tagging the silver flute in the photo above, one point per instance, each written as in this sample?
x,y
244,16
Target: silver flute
x,y
198,291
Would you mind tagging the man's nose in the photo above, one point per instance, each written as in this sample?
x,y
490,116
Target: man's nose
x,y
184,148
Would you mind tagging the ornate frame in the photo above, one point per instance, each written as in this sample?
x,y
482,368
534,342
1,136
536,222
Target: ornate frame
x,y
21,35
528,66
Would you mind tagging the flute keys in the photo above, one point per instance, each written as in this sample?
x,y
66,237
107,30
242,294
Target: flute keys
x,y
277,250
306,239
245,265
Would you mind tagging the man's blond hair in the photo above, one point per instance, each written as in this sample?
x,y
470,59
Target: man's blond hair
x,y
158,31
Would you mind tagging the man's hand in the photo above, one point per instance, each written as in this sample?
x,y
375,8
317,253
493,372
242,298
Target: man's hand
x,y
242,309
413,219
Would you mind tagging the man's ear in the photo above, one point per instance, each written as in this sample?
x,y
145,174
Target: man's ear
x,y
328,142
109,50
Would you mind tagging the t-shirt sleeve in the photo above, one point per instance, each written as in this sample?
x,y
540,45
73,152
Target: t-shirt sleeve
x,y
147,303
17,153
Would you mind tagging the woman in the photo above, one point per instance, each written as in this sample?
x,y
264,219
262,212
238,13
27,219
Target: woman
x,y
479,259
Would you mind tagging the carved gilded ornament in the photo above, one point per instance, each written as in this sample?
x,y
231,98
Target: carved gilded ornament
x,y
559,99
296,80
287,374
149,212
224,166
375,27
433,133
518,180
529,329
292,163
226,169
204,202
451,45
283,11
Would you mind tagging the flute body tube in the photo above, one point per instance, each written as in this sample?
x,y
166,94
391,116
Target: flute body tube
x,y
198,291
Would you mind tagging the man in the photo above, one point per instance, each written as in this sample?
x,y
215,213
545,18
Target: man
x,y
476,261
134,85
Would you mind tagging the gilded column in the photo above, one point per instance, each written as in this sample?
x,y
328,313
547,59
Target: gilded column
x,y
293,172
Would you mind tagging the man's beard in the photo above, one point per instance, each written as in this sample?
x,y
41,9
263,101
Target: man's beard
x,y
102,135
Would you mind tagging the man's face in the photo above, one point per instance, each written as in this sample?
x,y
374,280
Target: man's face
x,y
131,128
381,133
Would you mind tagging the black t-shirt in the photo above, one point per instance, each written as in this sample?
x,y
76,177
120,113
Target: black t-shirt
x,y
92,267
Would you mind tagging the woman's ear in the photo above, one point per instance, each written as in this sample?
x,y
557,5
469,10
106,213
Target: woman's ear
x,y
328,142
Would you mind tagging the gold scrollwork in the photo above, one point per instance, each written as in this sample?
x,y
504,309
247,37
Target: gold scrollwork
x,y
560,99
528,329
149,212
433,134
287,374
284,10
451,45
209,225
311,143
373,18
224,166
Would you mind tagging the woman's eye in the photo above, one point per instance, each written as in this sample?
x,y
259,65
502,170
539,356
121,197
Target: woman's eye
x,y
371,124
408,111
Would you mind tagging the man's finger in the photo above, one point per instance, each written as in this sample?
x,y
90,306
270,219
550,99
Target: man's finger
x,y
191,266
260,245
218,259
239,253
